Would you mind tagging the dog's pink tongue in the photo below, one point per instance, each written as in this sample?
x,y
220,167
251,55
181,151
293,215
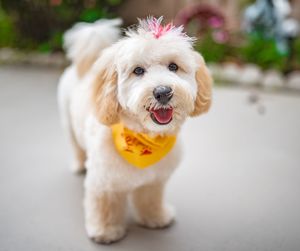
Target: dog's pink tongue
x,y
163,115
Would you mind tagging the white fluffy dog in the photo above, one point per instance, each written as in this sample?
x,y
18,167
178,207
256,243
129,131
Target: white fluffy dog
x,y
123,101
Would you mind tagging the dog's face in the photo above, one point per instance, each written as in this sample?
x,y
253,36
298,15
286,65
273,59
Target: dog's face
x,y
152,80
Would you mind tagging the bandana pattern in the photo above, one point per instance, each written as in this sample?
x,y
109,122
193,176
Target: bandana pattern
x,y
138,149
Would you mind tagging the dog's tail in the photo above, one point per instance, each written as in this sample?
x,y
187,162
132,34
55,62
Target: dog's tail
x,y
84,42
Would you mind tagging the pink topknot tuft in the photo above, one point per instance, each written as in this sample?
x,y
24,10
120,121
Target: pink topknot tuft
x,y
154,26
157,29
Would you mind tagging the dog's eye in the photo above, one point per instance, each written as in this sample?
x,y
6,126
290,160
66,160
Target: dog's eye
x,y
173,67
139,71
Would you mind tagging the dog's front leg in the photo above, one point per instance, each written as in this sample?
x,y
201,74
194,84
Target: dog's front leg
x,y
150,208
104,215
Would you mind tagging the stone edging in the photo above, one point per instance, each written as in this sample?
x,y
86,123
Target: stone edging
x,y
11,56
252,75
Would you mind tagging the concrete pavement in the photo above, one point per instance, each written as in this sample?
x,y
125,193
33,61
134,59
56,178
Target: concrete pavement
x,y
237,189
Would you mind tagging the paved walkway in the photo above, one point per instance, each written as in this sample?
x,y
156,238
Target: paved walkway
x,y
238,188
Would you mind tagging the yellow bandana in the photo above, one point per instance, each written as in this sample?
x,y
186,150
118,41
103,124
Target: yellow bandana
x,y
139,149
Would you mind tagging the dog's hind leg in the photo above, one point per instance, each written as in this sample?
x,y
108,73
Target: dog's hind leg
x,y
79,156
64,90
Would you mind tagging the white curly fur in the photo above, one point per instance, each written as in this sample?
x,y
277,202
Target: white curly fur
x,y
109,177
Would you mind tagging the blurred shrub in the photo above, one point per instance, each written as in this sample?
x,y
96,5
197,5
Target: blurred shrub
x,y
7,31
295,61
39,24
217,44
213,51
262,52
250,49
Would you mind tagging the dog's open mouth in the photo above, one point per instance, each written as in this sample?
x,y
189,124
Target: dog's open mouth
x,y
162,116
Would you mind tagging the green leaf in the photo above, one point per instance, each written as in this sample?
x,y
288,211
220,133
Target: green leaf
x,y
91,15
44,47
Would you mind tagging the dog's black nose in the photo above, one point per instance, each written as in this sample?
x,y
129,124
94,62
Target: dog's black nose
x,y
163,94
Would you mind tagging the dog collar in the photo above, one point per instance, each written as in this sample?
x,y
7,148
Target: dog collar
x,y
139,149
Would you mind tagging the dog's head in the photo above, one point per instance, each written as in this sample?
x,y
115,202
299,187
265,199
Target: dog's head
x,y
151,80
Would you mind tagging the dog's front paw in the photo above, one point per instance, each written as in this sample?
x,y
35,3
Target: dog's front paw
x,y
107,235
159,219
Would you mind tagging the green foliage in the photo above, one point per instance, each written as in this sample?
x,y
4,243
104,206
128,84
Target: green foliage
x,y
212,51
54,43
250,49
296,55
39,24
262,52
114,2
7,32
91,15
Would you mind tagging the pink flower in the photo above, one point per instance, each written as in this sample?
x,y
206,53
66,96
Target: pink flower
x,y
220,37
215,22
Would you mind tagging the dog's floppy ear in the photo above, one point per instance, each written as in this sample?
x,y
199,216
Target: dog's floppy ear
x,y
204,85
104,89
